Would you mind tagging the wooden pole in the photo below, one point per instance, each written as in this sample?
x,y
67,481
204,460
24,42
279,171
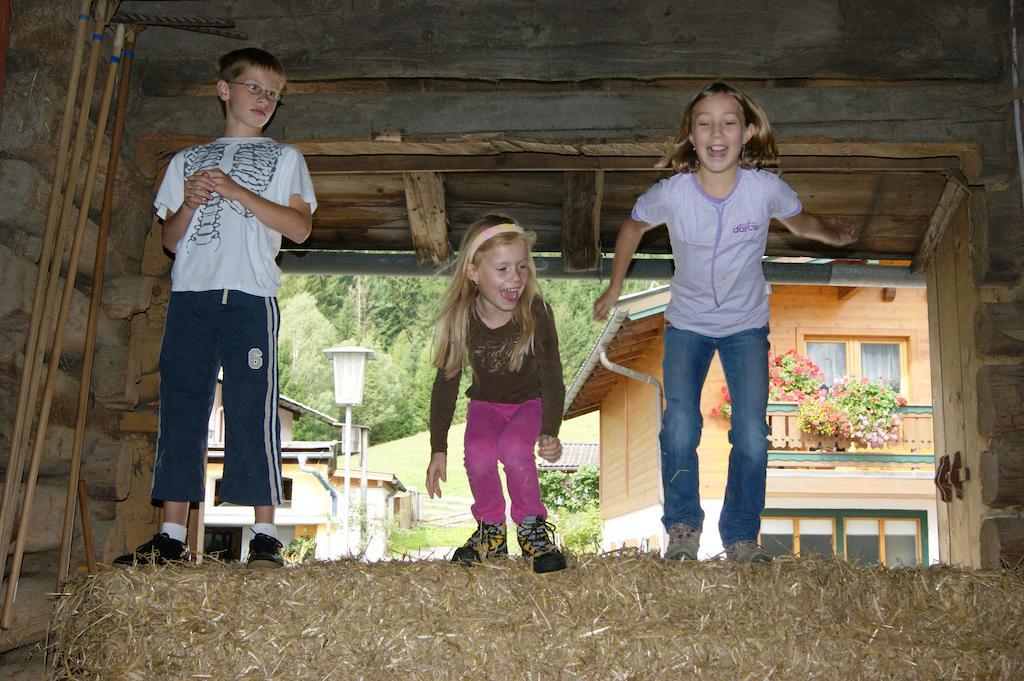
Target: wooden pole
x,y
197,531
88,358
58,338
83,501
15,461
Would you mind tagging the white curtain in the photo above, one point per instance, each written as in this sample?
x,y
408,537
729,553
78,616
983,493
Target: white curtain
x,y
831,357
881,361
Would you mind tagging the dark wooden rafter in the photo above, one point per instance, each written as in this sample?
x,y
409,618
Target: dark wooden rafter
x,y
583,194
844,292
424,198
480,157
952,196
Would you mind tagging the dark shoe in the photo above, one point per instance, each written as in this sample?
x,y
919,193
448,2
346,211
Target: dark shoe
x,y
488,541
683,542
265,552
747,552
535,539
159,550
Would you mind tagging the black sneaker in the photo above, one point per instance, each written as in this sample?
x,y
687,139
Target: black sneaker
x,y
265,552
488,541
535,539
159,550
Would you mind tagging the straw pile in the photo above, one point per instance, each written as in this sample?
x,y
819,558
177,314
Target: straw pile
x,y
616,616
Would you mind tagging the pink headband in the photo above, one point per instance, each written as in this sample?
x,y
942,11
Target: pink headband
x,y
490,233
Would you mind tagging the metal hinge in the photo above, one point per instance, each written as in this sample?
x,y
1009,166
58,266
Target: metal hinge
x,y
950,477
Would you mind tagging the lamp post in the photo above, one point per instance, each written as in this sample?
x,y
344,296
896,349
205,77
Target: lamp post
x,y
349,378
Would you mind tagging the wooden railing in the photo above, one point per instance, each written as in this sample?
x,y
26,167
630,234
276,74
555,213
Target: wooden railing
x,y
915,431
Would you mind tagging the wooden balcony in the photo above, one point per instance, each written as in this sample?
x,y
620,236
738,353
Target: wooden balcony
x,y
915,432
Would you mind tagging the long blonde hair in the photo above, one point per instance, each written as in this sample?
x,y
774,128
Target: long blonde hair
x,y
760,151
451,331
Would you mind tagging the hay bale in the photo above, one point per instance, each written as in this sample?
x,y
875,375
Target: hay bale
x,y
615,616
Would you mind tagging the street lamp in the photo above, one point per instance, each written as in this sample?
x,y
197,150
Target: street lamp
x,y
349,378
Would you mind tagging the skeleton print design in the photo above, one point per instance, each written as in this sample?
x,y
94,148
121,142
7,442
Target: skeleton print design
x,y
252,167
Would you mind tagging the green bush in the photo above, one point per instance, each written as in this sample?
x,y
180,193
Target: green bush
x,y
571,491
300,550
581,531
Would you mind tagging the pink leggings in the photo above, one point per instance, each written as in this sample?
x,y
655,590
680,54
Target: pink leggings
x,y
506,433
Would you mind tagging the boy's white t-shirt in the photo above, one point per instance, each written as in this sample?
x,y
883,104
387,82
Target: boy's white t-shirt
x,y
718,288
225,245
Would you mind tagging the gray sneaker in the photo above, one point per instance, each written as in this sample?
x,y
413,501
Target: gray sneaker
x,y
683,542
747,552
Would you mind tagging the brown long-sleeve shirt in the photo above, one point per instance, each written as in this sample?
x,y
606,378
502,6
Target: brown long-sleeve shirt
x,y
489,350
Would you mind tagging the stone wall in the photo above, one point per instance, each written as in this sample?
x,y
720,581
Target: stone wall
x,y
38,65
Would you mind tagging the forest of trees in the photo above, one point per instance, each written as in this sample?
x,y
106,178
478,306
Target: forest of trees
x,y
393,316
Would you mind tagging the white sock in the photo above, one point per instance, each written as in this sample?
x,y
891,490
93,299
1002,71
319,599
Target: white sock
x,y
265,528
174,531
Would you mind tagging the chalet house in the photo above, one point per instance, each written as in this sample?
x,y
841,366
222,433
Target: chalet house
x,y
872,505
314,499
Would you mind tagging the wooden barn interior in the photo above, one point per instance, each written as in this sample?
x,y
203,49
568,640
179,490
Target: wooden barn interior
x,y
415,117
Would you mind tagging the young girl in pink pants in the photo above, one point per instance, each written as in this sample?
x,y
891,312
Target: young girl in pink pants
x,y
494,316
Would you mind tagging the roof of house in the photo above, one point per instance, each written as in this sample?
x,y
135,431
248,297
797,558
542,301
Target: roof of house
x,y
301,409
310,450
574,455
635,322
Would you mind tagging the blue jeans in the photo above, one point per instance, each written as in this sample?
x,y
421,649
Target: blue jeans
x,y
744,358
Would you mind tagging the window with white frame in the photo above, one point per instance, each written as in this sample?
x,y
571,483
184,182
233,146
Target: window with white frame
x,y
881,359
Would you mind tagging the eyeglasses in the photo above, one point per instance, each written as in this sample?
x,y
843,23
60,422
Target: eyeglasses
x,y
257,89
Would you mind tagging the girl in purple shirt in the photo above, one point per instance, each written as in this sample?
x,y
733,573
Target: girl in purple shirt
x,y
717,208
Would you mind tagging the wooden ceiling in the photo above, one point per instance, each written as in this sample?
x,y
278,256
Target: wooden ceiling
x,y
416,119
575,203
397,196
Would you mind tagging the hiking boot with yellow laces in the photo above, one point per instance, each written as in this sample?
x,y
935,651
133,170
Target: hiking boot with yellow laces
x,y
536,540
488,541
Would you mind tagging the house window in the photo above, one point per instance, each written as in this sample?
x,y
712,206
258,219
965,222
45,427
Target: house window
x,y
900,543
884,541
862,541
892,542
798,536
817,537
879,359
286,485
778,536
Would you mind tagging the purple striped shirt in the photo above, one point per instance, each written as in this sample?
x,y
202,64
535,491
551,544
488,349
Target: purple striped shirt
x,y
718,288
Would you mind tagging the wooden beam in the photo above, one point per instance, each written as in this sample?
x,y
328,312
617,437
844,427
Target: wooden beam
x,y
424,198
581,220
952,196
345,154
844,292
459,157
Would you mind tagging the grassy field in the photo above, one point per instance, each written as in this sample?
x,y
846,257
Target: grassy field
x,y
408,458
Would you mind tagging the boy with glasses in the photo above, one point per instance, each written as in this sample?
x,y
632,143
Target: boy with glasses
x,y
225,206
